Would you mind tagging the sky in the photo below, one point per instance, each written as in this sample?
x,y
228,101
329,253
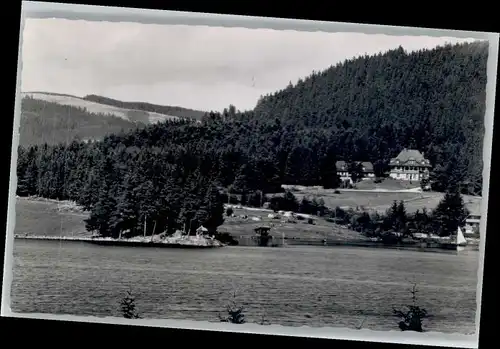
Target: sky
x,y
199,67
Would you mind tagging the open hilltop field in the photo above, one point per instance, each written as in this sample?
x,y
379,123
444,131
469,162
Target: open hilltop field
x,y
54,118
381,201
132,115
380,196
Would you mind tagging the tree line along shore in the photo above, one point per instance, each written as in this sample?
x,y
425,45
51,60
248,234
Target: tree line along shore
x,y
310,223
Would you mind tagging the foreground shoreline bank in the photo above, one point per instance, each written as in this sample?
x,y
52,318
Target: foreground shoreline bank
x,y
192,243
433,338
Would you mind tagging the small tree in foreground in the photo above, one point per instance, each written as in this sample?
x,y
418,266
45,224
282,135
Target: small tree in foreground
x,y
412,316
127,305
234,312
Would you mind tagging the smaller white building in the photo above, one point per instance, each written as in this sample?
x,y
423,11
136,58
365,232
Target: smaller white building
x,y
201,231
344,174
472,224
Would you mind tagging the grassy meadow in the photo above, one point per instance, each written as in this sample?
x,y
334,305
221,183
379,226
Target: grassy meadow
x,y
49,217
379,197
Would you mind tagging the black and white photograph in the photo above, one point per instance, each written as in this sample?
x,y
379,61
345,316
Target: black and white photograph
x,y
245,177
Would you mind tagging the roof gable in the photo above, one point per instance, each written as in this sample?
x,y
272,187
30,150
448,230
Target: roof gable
x,y
368,166
341,165
410,157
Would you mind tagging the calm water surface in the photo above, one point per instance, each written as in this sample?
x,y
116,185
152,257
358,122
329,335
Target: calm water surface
x,y
295,286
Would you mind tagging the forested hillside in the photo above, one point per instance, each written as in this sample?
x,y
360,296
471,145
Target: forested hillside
x,y
52,123
372,107
162,109
366,108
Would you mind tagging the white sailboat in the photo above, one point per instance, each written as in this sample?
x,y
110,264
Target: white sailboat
x,y
460,241
456,243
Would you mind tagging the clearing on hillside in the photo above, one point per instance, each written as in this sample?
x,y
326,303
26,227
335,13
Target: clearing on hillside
x,y
239,227
93,107
380,201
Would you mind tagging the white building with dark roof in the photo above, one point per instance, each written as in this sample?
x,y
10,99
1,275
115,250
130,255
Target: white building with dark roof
x,y
344,174
409,165
473,204
472,224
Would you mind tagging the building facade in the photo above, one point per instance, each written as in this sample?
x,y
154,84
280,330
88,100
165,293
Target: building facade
x,y
472,224
345,175
409,165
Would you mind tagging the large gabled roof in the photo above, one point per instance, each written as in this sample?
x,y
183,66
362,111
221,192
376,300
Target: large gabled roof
x,y
410,157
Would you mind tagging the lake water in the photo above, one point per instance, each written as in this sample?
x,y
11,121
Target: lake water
x,y
293,286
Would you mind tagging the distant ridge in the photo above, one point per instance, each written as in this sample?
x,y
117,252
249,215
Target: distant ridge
x,y
49,93
50,117
148,107
121,108
44,120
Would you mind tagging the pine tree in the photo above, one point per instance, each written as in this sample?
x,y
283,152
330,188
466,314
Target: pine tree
x,y
401,218
125,217
215,210
328,169
170,204
128,308
356,171
289,202
294,167
101,213
449,214
242,180
90,193
22,164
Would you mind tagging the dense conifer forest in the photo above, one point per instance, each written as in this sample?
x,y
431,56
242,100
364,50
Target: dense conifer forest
x,y
366,109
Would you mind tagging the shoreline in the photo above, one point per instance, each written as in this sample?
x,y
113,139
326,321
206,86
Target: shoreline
x,y
194,243
191,242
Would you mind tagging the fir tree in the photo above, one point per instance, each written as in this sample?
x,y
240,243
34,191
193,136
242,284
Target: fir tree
x,y
99,219
450,214
356,171
215,210
128,307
